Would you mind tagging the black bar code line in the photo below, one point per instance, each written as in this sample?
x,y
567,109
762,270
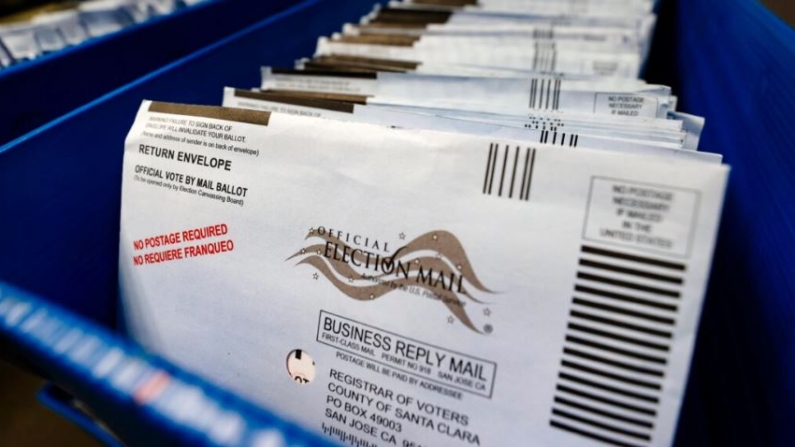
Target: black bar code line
x,y
524,173
624,298
554,94
555,84
544,87
622,311
608,388
605,413
493,165
488,168
628,285
607,427
629,271
504,165
609,375
554,137
607,401
618,337
545,94
635,258
621,324
563,139
613,363
513,175
547,91
615,350
576,140
549,84
588,434
541,90
557,88
530,173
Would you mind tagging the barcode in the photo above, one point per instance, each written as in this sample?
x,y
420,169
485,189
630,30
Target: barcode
x,y
545,94
562,139
616,346
544,123
509,171
545,57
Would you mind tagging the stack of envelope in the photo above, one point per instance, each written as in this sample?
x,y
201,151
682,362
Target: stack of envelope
x,y
459,223
73,24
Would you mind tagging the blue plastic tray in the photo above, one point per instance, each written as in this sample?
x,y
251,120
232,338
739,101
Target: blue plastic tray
x,y
729,60
734,62
62,182
141,398
38,91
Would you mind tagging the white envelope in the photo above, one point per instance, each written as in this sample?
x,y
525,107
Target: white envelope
x,y
406,287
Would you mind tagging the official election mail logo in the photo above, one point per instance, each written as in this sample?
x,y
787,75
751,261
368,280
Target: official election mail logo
x,y
433,265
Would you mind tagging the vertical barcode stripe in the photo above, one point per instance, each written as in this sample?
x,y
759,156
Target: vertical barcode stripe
x,y
493,165
513,175
530,174
488,167
557,94
508,179
541,94
504,165
549,85
524,173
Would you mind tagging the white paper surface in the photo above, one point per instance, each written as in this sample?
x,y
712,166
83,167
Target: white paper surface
x,y
582,277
